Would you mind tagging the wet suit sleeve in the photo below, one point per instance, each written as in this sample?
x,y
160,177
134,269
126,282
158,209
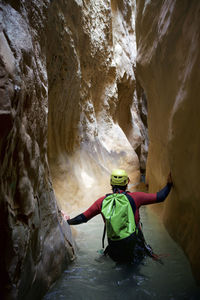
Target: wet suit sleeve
x,y
150,198
92,211
77,220
162,194
142,198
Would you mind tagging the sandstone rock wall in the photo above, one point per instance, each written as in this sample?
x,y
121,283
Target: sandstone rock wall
x,y
94,119
34,243
73,63
168,59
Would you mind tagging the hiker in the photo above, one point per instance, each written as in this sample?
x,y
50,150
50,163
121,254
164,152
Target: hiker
x,y
122,221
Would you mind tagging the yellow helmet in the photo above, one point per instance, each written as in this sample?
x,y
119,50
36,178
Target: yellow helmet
x,y
119,177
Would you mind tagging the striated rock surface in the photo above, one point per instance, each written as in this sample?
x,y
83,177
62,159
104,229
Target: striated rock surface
x,y
94,117
35,244
74,59
168,59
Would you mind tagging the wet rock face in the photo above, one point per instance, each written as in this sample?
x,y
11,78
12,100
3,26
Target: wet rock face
x,y
168,69
35,243
94,119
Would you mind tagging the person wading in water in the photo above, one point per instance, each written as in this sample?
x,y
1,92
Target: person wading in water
x,y
120,212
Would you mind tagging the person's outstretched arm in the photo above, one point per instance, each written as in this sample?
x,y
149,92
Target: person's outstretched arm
x,y
162,194
77,220
91,212
142,198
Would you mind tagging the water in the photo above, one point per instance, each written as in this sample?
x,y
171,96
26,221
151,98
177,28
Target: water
x,y
93,277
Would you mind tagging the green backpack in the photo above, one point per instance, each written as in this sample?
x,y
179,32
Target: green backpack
x,y
119,217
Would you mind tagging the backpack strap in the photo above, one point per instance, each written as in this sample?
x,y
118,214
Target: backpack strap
x,y
132,202
104,230
104,234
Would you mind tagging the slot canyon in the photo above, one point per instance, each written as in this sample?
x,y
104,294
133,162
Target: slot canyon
x,y
77,78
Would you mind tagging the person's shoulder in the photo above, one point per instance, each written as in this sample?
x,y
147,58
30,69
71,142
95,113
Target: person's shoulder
x,y
100,199
132,193
98,202
135,195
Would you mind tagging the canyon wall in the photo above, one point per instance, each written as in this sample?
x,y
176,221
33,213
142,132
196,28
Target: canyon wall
x,y
168,59
95,123
67,72
68,75
35,243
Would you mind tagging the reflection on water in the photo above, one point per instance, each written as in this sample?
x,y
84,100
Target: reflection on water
x,y
92,276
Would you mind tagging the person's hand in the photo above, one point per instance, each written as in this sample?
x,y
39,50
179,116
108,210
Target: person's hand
x,y
65,216
169,178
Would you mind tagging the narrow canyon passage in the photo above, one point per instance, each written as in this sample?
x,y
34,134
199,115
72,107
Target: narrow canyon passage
x,y
92,276
85,87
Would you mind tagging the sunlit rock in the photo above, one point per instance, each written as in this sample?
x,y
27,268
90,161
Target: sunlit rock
x,y
94,118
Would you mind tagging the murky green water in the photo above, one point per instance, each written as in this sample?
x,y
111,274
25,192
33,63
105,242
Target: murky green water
x,y
94,277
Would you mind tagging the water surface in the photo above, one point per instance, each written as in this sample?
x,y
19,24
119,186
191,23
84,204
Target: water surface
x,y
92,276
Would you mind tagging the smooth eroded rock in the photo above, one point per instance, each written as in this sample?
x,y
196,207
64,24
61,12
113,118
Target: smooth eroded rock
x,y
168,61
